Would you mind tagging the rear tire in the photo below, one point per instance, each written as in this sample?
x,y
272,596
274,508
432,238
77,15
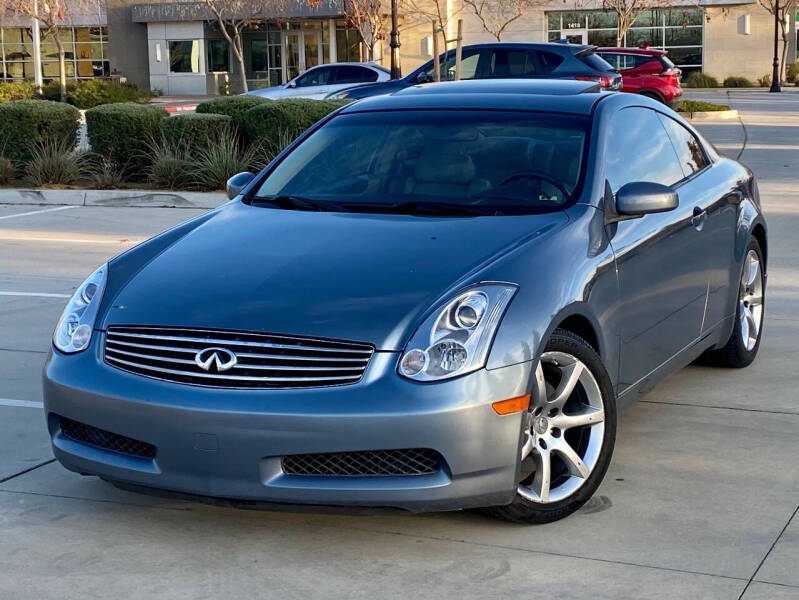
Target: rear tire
x,y
741,349
653,95
568,433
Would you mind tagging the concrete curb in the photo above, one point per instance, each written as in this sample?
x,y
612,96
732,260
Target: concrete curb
x,y
111,198
716,115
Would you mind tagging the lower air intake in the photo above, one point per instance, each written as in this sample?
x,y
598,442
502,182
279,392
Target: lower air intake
x,y
414,461
100,438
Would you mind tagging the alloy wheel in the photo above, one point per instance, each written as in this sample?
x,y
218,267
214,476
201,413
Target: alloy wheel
x,y
564,429
750,300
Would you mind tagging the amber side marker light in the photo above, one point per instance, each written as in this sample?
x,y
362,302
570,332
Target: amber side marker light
x,y
512,405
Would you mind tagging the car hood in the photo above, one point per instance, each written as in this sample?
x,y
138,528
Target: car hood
x,y
373,89
349,276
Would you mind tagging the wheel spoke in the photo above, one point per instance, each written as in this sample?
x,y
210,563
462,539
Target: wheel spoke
x,y
543,475
744,325
588,416
752,324
754,267
570,376
539,387
574,463
527,447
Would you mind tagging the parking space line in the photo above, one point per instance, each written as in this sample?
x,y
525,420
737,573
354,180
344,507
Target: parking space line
x,y
35,294
36,212
67,240
20,403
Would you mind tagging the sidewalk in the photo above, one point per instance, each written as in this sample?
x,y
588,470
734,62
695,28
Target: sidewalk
x,y
110,198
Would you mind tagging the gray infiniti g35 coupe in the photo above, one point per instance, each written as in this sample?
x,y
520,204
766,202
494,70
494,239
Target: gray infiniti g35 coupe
x,y
433,300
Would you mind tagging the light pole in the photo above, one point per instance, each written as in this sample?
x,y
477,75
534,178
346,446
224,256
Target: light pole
x,y
396,70
37,49
775,71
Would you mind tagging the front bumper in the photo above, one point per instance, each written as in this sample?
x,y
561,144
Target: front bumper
x,y
228,443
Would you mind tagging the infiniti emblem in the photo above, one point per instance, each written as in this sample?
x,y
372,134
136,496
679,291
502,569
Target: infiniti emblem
x,y
221,358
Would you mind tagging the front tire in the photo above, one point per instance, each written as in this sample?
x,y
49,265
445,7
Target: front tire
x,y
741,349
568,433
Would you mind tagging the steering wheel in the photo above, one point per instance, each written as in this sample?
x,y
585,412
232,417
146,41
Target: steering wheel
x,y
536,175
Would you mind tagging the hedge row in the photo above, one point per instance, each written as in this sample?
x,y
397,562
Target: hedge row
x,y
121,132
275,122
24,124
83,94
195,132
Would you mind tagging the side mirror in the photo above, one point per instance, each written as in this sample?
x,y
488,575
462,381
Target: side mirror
x,y
237,183
291,84
640,198
422,78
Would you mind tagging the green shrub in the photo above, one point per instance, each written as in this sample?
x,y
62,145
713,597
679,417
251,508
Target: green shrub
x,y
792,72
54,162
195,131
26,123
737,82
692,106
88,93
171,166
222,159
764,81
268,124
16,90
696,79
7,170
234,107
121,132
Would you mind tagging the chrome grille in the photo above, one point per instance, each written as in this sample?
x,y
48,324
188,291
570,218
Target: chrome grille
x,y
410,461
262,360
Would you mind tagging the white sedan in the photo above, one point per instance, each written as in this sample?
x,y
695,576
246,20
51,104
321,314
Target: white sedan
x,y
322,80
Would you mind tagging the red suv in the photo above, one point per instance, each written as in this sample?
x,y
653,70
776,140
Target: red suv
x,y
645,71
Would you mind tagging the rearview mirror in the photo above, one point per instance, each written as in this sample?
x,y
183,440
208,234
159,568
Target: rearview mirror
x,y
640,198
237,183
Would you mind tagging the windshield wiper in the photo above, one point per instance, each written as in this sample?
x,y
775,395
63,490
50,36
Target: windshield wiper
x,y
298,203
419,208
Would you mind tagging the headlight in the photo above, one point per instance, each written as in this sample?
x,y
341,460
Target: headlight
x,y
456,339
338,96
74,330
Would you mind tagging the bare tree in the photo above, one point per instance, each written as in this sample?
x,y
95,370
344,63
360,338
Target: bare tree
x,y
628,11
786,10
441,12
496,15
233,16
52,16
369,20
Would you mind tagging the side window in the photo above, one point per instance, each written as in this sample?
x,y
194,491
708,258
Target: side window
x,y
469,63
353,74
640,150
549,61
689,150
614,60
511,63
319,76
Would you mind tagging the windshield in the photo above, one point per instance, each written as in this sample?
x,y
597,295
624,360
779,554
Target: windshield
x,y
471,162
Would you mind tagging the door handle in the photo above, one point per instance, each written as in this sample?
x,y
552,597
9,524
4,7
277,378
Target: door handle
x,y
699,218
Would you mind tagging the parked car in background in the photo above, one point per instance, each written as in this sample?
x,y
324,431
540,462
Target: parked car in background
x,y
646,71
317,82
504,61
434,300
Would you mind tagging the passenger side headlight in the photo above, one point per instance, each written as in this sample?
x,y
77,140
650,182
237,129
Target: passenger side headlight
x,y
74,330
456,339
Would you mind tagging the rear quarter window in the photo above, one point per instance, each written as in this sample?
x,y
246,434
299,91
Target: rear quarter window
x,y
595,62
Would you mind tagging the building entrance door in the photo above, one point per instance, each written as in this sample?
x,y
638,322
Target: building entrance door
x,y
576,36
303,51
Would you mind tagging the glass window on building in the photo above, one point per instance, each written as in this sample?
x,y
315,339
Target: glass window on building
x,y
184,56
677,30
218,56
348,43
85,53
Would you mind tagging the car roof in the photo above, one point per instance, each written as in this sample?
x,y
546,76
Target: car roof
x,y
547,95
369,65
641,51
557,46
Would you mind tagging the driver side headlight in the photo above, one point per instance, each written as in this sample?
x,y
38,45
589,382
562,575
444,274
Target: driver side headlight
x,y
74,329
456,339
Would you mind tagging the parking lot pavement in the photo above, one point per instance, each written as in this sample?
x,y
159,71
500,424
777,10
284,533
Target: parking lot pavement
x,y
700,500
